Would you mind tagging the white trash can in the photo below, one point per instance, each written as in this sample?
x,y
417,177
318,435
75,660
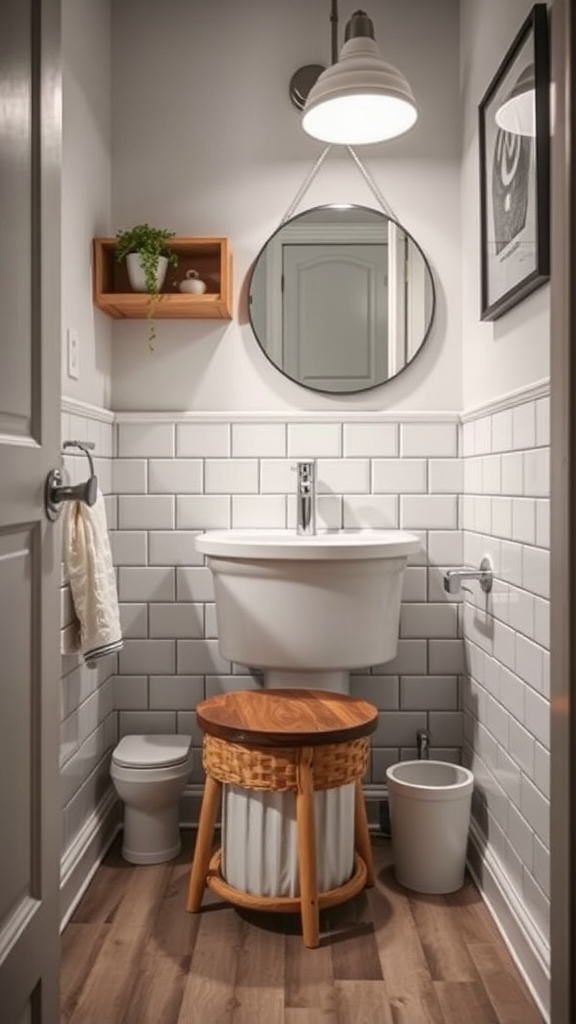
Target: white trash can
x,y
430,817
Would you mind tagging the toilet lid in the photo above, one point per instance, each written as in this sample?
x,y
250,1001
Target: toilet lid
x,y
152,751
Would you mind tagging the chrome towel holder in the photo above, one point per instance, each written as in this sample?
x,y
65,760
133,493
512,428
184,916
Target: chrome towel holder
x,y
55,492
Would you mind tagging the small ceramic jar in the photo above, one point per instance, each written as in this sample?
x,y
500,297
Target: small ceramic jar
x,y
192,283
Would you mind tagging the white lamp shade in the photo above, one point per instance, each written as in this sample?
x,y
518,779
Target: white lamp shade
x,y
518,112
359,99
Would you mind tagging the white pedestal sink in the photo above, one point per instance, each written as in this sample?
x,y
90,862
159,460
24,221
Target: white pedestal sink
x,y
305,610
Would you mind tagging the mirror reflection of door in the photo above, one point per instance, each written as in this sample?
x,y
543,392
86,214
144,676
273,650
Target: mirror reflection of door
x,y
341,298
334,314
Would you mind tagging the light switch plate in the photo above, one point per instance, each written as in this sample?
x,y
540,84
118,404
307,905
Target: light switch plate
x,y
73,353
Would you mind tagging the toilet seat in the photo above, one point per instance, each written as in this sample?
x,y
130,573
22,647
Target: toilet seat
x,y
152,751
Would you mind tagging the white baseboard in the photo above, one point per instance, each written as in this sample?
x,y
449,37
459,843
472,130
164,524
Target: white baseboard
x,y
85,854
526,944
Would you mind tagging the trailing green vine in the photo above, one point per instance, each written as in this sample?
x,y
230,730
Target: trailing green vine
x,y
150,244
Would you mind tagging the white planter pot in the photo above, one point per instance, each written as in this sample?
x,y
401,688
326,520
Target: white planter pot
x,y
136,274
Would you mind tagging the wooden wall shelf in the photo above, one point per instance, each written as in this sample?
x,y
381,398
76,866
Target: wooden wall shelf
x,y
211,257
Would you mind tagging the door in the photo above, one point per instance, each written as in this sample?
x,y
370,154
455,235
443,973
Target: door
x,y
563,516
29,544
333,293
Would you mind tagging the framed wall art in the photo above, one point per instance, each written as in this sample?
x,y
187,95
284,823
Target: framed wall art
x,y
514,142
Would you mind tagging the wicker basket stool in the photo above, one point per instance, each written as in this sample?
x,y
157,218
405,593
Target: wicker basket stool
x,y
282,740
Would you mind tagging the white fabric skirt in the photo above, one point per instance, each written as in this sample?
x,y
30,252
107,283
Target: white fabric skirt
x,y
259,851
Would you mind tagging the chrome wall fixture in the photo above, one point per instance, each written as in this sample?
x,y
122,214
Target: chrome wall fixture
x,y
55,492
360,98
423,744
485,576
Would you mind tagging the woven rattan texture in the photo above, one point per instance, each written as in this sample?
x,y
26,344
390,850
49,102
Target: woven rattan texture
x,y
276,768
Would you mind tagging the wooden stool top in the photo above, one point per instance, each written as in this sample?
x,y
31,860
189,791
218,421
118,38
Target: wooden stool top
x,y
286,717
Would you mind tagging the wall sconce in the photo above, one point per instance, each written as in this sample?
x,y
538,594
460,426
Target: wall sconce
x,y
359,98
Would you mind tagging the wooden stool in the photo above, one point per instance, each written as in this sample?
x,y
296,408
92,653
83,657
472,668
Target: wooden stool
x,y
281,740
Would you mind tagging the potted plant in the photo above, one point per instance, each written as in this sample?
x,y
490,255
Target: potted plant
x,y
148,257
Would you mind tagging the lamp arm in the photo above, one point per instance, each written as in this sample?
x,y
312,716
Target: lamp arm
x,y
334,30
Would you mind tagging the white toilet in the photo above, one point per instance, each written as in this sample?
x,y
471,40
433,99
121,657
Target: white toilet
x,y
149,774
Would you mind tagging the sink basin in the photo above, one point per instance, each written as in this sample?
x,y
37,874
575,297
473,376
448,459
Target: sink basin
x,y
307,609
343,544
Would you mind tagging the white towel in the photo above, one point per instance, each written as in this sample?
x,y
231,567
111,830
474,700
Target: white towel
x,y
88,561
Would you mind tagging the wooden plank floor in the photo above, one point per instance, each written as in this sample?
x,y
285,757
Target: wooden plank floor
x,y
131,954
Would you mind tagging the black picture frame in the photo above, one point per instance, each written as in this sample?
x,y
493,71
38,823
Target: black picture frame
x,y
515,174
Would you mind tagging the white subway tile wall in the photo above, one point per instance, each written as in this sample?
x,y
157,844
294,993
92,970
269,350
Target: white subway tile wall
x,y
241,474
89,722
471,671
505,688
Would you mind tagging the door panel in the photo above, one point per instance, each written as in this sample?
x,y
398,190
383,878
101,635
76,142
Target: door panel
x,y
16,154
335,295
17,697
29,544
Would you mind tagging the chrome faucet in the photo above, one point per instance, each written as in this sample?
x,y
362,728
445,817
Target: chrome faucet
x,y
306,496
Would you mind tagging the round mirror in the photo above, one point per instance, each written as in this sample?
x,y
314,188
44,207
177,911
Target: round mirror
x,y
341,298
